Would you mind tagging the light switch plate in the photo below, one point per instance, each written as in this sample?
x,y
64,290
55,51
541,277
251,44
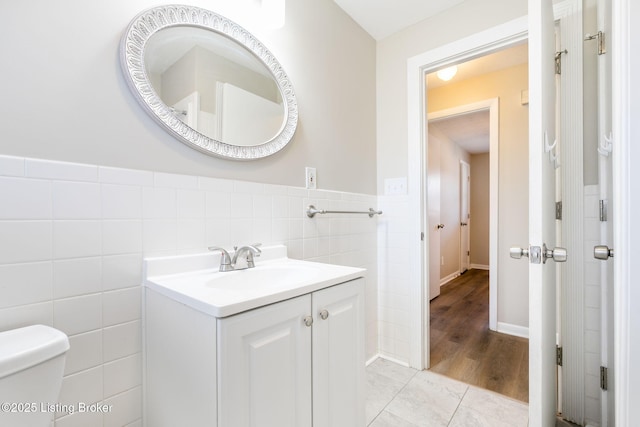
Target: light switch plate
x,y
395,186
310,174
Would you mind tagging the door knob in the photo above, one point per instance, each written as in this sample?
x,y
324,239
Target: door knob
x,y
324,314
537,254
602,252
439,226
557,254
517,253
463,224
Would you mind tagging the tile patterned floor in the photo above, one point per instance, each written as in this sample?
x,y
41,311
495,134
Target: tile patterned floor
x,y
398,396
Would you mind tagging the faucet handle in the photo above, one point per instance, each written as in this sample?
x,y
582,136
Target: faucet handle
x,y
254,251
225,260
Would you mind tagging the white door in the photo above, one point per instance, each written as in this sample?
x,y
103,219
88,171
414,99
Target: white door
x,y
465,217
264,366
187,110
433,205
542,283
606,227
338,356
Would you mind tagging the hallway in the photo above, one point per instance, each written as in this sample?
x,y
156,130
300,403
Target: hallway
x,y
463,347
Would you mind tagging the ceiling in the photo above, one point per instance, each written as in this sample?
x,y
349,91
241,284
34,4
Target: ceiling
x,y
381,18
470,131
500,60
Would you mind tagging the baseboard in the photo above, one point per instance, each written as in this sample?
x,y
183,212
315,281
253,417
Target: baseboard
x,y
373,359
515,330
449,278
479,266
391,359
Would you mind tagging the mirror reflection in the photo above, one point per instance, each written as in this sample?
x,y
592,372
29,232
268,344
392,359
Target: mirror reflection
x,y
214,85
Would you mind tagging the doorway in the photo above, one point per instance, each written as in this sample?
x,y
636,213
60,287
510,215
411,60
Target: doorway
x,y
468,137
543,332
481,120
490,41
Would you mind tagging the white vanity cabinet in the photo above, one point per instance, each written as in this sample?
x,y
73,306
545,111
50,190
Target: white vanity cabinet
x,y
278,345
297,363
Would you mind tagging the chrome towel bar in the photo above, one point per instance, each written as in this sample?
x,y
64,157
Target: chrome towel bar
x,y
312,211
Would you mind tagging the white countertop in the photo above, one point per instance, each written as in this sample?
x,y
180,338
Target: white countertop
x,y
220,294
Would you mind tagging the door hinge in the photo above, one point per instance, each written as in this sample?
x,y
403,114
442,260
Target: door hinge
x,y
599,37
603,210
558,210
604,378
559,60
422,236
559,355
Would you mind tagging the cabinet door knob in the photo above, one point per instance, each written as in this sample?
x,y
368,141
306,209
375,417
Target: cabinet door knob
x,y
308,321
324,314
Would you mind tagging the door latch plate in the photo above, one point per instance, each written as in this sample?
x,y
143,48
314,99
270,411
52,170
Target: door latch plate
x,y
535,254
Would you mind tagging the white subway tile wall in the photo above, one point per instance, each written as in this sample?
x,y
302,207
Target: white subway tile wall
x,y
72,240
394,277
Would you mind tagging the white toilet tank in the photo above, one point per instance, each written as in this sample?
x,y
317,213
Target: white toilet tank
x,y
31,368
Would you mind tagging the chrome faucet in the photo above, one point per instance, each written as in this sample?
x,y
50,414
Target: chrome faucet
x,y
229,264
251,251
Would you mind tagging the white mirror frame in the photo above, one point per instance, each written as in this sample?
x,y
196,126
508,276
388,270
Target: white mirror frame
x,y
153,20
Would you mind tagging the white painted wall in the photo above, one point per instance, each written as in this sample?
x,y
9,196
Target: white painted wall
x,y
480,210
69,100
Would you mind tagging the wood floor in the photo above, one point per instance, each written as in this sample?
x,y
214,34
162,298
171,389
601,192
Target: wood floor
x,y
463,347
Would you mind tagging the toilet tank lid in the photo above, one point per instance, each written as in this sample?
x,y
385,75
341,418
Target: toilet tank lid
x,y
25,347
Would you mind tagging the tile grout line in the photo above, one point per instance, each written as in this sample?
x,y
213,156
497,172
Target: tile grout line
x,y
459,403
393,398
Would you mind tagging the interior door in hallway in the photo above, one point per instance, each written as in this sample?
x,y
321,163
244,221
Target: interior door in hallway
x,y
433,196
465,217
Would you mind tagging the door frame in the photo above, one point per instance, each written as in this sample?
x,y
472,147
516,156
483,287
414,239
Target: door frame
x,y
626,207
483,43
493,106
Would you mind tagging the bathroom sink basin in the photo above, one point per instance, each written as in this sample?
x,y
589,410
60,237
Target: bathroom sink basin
x,y
271,275
274,278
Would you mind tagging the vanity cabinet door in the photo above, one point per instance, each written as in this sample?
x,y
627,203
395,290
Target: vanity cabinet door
x,y
264,366
338,356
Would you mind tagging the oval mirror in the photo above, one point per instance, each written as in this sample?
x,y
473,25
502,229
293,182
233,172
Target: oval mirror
x,y
209,82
